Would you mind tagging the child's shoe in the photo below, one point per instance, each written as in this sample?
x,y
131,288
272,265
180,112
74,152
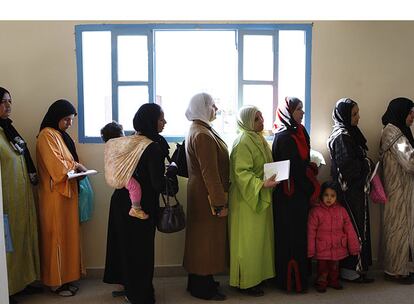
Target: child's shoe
x,y
138,213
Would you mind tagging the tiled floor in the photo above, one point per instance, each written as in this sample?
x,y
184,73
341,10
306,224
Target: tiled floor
x,y
172,290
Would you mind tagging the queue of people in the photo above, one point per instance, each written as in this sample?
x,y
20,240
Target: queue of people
x,y
263,231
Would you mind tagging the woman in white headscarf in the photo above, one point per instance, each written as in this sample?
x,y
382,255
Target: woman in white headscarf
x,y
251,217
208,184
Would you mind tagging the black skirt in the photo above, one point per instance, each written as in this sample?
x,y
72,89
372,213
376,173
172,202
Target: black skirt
x,y
130,251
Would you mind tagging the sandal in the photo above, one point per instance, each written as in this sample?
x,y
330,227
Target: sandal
x,y
66,290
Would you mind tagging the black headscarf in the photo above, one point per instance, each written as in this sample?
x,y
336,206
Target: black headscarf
x,y
16,140
58,110
396,114
146,123
341,116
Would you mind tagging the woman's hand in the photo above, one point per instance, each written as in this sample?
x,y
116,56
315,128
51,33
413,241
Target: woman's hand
x,y
270,182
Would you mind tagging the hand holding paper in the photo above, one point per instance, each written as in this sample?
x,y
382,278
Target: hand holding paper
x,y
72,174
280,168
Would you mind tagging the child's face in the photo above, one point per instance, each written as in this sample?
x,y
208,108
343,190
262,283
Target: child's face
x,y
329,197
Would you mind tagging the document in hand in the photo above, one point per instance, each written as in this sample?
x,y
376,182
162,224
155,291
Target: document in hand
x,y
280,168
72,174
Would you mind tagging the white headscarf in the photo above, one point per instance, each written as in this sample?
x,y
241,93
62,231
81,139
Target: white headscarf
x,y
200,108
246,116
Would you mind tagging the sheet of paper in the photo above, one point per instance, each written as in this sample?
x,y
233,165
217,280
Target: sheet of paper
x,y
72,174
280,168
374,172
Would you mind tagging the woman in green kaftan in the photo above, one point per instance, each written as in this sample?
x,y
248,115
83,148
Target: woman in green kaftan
x,y
250,203
18,173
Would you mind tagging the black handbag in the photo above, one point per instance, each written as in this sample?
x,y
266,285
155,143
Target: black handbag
x,y
170,218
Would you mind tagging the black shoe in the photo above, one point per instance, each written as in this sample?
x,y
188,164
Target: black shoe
x,y
255,291
12,300
407,280
30,289
218,296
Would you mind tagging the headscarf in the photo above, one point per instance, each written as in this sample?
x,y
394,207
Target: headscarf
x,y
396,114
341,116
58,110
16,140
146,123
284,119
245,121
200,108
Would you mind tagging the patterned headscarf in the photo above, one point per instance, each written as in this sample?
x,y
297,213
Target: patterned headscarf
x,y
396,114
200,108
341,116
284,119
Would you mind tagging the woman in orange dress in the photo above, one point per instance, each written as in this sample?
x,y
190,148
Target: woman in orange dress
x,y
60,253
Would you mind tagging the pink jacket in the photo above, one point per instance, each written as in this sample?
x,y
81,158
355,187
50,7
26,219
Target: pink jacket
x,y
331,235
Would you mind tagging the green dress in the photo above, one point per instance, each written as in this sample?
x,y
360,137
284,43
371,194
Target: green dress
x,y
250,218
18,203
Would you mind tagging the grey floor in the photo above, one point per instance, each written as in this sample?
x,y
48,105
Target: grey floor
x,y
172,290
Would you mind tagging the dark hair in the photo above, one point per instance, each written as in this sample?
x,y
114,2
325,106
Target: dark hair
x,y
2,92
328,185
111,130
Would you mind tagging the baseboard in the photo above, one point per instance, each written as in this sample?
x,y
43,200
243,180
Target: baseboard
x,y
178,271
159,271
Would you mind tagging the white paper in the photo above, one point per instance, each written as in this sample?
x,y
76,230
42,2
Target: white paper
x,y
280,168
374,172
72,174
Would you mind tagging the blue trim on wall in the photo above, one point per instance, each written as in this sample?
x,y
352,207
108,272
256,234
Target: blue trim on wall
x,y
308,74
148,29
79,64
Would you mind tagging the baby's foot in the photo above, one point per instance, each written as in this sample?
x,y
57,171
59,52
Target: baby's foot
x,y
138,213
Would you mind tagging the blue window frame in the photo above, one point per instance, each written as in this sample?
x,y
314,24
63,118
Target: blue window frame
x,y
122,90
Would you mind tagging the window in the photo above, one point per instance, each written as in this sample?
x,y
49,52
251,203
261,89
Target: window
x,y
120,67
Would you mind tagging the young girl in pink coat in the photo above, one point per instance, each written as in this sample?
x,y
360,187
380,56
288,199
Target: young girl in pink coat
x,y
331,237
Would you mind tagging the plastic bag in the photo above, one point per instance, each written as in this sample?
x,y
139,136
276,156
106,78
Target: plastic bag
x,y
85,200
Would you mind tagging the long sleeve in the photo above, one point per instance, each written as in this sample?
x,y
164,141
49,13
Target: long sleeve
x,y
404,154
247,178
205,148
353,167
312,228
156,166
283,148
56,159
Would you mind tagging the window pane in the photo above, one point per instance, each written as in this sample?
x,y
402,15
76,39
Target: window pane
x,y
190,62
132,58
260,96
130,98
292,63
97,81
257,57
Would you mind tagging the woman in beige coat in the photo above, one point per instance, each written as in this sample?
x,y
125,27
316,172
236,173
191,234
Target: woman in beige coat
x,y
208,167
397,154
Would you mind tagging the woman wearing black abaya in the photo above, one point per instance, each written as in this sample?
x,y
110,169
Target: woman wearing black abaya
x,y
292,197
351,168
130,243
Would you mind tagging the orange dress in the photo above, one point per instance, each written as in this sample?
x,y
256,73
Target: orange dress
x,y
60,252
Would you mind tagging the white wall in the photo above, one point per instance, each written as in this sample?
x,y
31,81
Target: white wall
x,y
370,62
